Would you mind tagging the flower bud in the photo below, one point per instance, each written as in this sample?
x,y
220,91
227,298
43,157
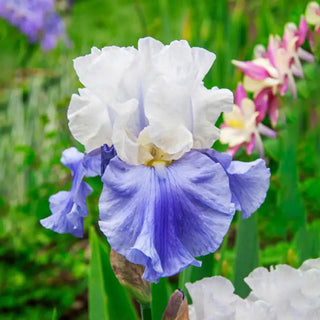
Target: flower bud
x,y
129,275
177,308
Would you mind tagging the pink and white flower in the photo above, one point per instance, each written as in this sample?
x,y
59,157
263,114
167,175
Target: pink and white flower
x,y
293,38
242,126
259,74
273,70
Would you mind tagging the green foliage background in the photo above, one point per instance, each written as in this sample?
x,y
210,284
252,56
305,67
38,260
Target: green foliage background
x,y
44,275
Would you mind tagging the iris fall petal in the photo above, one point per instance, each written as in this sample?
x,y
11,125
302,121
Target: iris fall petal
x,y
163,217
69,207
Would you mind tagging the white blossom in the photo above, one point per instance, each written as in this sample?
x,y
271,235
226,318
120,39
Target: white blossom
x,y
280,293
148,102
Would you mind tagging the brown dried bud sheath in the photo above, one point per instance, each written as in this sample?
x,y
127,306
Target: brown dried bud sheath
x,y
129,275
177,308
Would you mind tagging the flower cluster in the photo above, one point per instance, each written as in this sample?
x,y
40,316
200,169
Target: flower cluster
x,y
35,18
270,73
147,123
279,293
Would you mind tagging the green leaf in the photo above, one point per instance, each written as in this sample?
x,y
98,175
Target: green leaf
x,y
247,252
307,244
289,195
54,314
107,298
192,273
161,292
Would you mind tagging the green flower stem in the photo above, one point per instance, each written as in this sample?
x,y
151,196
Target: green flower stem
x,y
145,311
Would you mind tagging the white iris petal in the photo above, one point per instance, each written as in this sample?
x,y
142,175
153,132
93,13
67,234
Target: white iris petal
x,y
148,99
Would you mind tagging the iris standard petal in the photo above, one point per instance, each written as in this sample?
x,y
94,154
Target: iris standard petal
x,y
165,216
89,120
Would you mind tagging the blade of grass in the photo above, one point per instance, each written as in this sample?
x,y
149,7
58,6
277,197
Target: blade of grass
x,y
160,296
247,252
107,298
307,244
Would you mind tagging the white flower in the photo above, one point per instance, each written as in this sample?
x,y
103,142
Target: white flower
x,y
313,14
281,293
150,102
213,299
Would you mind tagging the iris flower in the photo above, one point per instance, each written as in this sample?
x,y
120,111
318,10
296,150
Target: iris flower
x,y
280,293
147,123
243,125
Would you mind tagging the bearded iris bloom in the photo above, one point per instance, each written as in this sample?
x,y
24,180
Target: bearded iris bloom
x,y
280,293
147,123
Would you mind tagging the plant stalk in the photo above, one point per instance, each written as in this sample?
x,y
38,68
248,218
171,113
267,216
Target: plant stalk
x,y
145,311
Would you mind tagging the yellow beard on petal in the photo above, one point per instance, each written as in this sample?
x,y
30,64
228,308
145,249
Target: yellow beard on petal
x,y
158,157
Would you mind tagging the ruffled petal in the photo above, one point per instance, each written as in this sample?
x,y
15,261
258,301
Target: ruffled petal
x,y
163,217
102,70
213,298
89,120
188,70
249,181
69,207
207,106
175,140
128,92
67,215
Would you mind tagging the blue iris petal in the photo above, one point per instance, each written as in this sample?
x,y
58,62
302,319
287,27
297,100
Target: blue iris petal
x,y
69,207
249,181
107,153
92,163
163,217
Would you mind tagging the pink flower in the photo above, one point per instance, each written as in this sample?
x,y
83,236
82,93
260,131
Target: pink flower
x,y
293,38
259,74
242,126
267,102
281,59
273,70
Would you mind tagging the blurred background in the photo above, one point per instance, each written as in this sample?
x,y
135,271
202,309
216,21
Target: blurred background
x,y
43,273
